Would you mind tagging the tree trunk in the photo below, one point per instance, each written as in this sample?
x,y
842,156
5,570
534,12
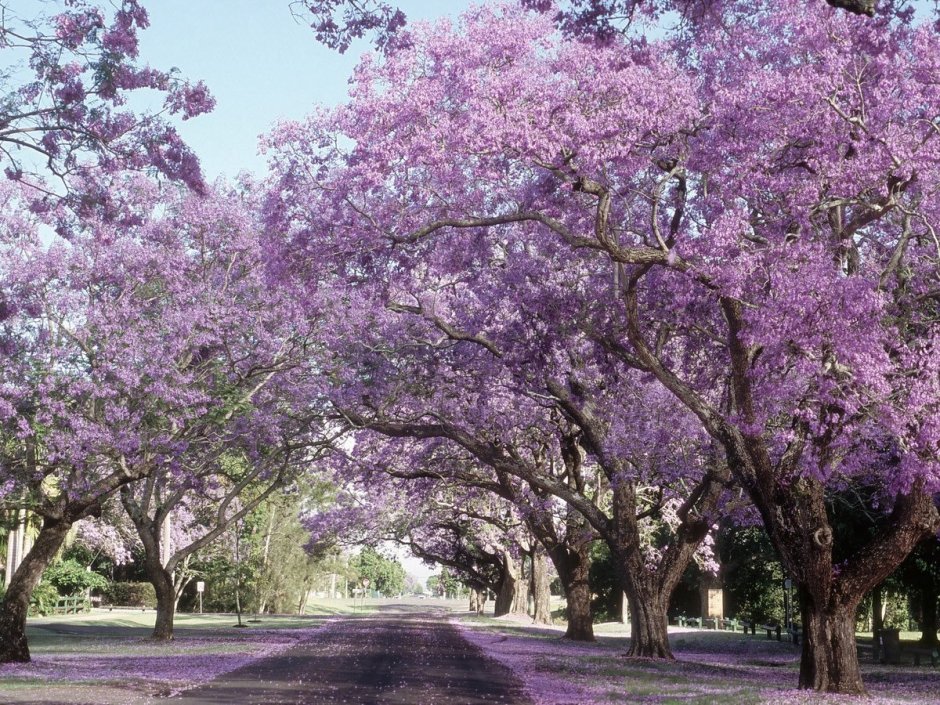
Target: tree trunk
x,y
162,582
877,612
829,660
578,610
13,645
506,592
649,633
520,601
541,587
929,622
474,600
574,566
305,592
646,591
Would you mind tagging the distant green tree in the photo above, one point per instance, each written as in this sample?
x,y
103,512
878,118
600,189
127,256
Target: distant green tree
x,y
752,575
443,584
385,575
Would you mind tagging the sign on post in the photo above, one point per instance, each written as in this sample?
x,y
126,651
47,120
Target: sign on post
x,y
200,588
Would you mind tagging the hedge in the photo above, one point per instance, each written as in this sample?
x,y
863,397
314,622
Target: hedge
x,y
131,595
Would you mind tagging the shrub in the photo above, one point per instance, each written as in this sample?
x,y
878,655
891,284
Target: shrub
x,y
71,578
131,595
44,599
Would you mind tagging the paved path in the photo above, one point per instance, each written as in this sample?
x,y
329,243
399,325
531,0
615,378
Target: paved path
x,y
383,659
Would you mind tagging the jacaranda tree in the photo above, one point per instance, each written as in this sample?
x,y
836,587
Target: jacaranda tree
x,y
761,200
113,349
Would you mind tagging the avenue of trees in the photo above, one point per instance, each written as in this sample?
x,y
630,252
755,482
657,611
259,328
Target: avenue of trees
x,y
557,278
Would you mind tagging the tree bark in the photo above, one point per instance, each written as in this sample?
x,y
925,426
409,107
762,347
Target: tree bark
x,y
646,588
929,622
506,592
580,616
829,661
477,599
793,509
520,601
573,564
474,600
13,645
541,587
799,527
647,601
877,612
162,582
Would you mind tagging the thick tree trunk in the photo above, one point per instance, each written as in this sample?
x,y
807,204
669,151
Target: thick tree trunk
x,y
580,616
793,509
541,587
574,566
162,582
645,591
829,660
929,622
649,623
506,593
13,645
800,529
478,599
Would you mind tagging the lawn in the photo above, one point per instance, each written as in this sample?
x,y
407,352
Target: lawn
x,y
105,658
710,667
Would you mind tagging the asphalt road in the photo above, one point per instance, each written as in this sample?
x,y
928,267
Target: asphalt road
x,y
392,658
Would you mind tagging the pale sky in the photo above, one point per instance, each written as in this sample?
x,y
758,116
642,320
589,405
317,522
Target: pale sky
x,y
260,63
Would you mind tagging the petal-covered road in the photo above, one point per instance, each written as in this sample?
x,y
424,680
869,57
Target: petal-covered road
x,y
391,658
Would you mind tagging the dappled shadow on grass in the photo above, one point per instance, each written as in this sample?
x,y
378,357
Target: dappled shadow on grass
x,y
114,656
710,667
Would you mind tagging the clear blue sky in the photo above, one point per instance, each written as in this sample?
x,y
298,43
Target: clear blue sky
x,y
260,63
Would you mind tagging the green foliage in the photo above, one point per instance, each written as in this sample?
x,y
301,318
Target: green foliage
x,y
131,594
385,575
606,602
70,577
274,572
753,577
44,599
219,575
896,610
443,584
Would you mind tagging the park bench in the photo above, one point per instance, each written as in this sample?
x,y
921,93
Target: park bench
x,y
730,625
710,623
71,605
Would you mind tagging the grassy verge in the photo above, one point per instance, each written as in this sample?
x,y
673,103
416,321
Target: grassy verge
x,y
710,667
106,658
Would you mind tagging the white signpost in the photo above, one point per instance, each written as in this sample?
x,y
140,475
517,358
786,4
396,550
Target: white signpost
x,y
200,588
